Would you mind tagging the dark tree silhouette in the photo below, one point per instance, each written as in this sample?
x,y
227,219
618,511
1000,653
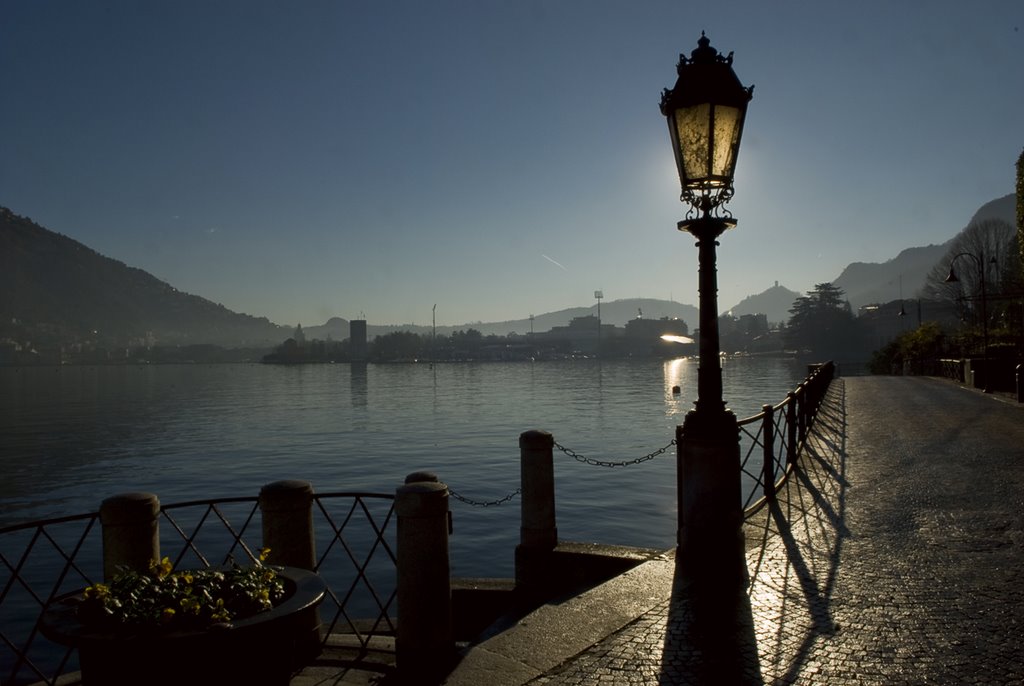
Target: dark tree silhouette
x,y
398,345
1020,212
822,323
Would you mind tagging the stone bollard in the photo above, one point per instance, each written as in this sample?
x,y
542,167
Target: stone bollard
x,y
424,646
537,478
287,508
538,534
131,532
416,477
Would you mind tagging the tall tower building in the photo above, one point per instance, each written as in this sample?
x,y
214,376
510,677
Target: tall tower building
x,y
357,340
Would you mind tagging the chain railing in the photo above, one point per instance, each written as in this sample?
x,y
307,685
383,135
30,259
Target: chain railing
x,y
484,503
770,442
583,459
42,560
593,462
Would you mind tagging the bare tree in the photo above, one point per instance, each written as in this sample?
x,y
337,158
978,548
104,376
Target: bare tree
x,y
1020,211
986,250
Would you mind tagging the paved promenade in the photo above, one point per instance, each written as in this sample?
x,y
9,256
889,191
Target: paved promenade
x,y
895,555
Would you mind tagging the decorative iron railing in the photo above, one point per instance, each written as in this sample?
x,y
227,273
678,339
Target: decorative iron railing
x,y
45,559
771,440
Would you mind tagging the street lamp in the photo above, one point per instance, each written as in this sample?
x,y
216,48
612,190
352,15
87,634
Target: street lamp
x,y
952,278
705,111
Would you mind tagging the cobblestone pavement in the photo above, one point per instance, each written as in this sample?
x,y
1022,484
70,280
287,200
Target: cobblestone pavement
x,y
893,555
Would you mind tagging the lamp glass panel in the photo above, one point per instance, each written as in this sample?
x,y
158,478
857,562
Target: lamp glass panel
x,y
727,132
693,132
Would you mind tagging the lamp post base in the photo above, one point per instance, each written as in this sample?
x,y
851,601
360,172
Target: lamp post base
x,y
710,534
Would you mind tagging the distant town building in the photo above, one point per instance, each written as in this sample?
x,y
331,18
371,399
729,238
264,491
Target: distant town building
x,y
358,350
584,334
653,329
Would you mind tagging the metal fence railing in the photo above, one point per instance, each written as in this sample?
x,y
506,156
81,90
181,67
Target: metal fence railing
x,y
42,560
771,440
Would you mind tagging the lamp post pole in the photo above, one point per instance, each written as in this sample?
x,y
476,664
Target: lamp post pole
x,y
705,112
952,278
709,373
710,527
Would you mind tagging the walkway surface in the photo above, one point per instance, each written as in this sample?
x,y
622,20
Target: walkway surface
x,y
894,555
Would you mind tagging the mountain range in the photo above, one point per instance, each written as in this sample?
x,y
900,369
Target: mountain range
x,y
904,275
55,290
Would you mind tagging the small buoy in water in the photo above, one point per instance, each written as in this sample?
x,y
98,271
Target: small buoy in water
x,y
675,390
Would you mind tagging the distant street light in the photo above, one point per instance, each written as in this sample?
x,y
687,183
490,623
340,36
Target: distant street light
x,y
952,278
705,111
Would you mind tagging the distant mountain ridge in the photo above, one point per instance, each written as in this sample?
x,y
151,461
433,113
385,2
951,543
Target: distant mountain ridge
x,y
903,276
774,303
55,290
616,312
54,287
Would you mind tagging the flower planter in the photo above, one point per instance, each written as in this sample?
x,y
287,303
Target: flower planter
x,y
263,649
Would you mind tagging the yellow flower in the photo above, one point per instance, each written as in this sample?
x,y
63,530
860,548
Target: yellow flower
x,y
190,604
167,615
264,553
161,568
98,591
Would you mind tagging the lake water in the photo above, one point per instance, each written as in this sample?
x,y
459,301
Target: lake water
x,y
72,436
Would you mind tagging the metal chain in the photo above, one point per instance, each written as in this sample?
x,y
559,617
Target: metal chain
x,y
482,503
571,453
602,463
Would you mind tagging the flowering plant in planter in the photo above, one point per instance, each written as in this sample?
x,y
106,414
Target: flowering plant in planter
x,y
181,600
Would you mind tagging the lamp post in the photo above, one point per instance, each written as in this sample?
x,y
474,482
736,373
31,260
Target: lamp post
x,y
705,111
952,278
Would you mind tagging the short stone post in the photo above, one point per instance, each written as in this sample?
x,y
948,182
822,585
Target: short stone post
x,y
131,532
424,645
768,437
538,534
287,508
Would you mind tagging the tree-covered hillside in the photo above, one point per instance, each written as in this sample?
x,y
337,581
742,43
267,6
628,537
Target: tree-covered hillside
x,y
56,291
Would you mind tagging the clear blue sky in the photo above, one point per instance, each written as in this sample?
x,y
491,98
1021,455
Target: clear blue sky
x,y
301,160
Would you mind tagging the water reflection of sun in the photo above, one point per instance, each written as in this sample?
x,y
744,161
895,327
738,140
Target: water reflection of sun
x,y
678,372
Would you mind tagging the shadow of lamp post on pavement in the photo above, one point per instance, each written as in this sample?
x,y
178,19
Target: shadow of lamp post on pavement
x,y
705,111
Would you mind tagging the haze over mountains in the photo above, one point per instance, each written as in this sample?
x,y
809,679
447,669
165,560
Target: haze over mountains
x,y
904,275
53,288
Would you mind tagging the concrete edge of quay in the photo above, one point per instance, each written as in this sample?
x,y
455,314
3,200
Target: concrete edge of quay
x,y
516,650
